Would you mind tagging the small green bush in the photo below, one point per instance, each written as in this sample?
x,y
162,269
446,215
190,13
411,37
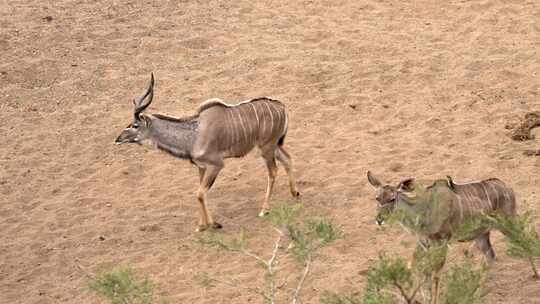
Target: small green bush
x,y
334,298
388,273
462,284
305,238
122,286
523,240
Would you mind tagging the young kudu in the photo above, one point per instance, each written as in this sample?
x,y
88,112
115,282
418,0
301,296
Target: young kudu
x,y
440,208
217,131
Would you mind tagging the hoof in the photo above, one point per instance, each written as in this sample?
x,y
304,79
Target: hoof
x,y
216,226
263,213
296,194
212,226
201,228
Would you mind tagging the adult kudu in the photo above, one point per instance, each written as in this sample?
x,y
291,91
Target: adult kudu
x,y
215,132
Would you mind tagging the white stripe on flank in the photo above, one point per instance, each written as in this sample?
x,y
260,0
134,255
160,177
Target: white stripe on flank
x,y
248,124
241,123
496,194
232,129
490,207
278,114
475,198
256,115
271,118
505,192
281,116
257,130
460,207
469,199
479,199
263,118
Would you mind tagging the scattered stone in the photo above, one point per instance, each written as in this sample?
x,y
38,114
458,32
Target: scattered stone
x,y
396,167
532,152
523,131
149,228
101,238
30,109
48,18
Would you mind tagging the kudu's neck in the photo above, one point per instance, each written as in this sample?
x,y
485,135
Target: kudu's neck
x,y
172,135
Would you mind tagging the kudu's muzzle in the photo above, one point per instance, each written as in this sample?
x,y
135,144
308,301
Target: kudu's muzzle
x,y
379,220
122,138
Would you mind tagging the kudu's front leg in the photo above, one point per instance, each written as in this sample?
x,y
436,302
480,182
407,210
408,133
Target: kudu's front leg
x,y
207,177
430,257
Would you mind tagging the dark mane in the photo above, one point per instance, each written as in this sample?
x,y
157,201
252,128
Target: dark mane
x,y
218,102
266,98
175,119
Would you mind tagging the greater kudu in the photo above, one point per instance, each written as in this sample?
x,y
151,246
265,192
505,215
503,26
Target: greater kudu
x,y
441,207
215,132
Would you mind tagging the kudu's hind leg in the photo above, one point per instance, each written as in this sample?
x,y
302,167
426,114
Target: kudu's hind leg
x,y
208,176
483,243
285,159
270,160
201,173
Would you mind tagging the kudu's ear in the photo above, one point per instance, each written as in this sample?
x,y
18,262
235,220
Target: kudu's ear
x,y
450,182
407,185
373,180
145,120
140,104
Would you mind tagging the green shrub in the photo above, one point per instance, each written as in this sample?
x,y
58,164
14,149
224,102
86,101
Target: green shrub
x,y
333,298
122,286
463,283
523,240
305,238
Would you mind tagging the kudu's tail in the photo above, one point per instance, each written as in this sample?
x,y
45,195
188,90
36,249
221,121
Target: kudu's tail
x,y
281,141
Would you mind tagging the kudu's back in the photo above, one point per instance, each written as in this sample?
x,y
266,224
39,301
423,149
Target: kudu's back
x,y
484,197
236,129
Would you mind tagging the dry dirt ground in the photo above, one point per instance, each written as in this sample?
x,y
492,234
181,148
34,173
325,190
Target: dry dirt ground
x,y
421,88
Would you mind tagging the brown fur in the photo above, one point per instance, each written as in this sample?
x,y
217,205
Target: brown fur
x,y
217,131
468,200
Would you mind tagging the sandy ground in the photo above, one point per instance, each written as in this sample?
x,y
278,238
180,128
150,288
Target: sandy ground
x,y
419,89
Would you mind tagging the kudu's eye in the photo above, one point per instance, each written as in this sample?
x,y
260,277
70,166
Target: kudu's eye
x,y
135,126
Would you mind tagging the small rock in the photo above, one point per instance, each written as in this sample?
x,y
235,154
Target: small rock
x,y
101,238
149,228
532,152
396,167
48,18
